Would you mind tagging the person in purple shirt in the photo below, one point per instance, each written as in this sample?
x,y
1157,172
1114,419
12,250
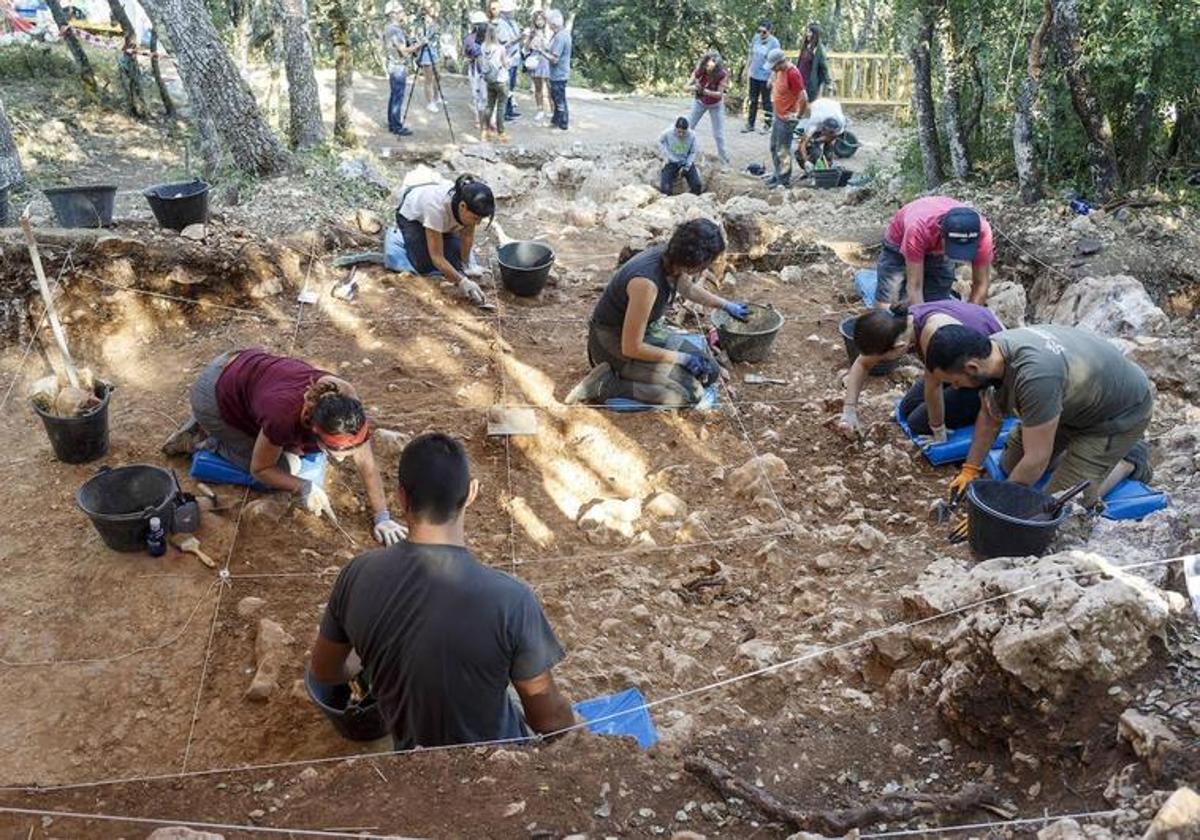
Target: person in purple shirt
x,y
883,335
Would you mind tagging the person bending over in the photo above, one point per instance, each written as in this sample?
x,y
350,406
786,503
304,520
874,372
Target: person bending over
x,y
635,361
438,221
261,412
884,335
441,636
1084,407
825,123
923,241
678,148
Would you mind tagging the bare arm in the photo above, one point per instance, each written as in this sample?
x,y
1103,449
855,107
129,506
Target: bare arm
x,y
332,662
855,380
642,294
368,471
467,240
546,710
986,428
264,466
696,293
914,275
433,240
935,403
1038,445
980,279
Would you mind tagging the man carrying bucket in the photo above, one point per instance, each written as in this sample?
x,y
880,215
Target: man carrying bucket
x,y
1084,407
441,636
259,412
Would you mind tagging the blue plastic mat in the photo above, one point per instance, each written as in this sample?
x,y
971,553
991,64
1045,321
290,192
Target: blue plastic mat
x,y
693,342
211,467
958,441
866,280
395,257
623,714
1128,500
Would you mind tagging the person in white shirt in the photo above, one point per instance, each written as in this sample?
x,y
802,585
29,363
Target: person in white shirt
x,y
825,123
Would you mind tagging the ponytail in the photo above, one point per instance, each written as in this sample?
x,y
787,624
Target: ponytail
x,y
876,332
475,194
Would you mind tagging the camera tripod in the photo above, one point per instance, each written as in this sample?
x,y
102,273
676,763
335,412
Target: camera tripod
x,y
437,84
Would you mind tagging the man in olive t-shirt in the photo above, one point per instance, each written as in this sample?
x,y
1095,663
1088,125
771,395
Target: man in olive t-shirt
x,y
1078,398
441,635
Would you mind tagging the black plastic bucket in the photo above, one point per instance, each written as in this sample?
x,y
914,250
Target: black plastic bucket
x,y
1001,519
830,178
846,145
77,440
121,501
525,267
178,205
847,331
751,340
357,722
82,207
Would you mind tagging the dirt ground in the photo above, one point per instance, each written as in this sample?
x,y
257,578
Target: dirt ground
x,y
124,676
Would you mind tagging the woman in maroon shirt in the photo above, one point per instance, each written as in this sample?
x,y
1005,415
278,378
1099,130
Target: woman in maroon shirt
x,y
708,83
262,412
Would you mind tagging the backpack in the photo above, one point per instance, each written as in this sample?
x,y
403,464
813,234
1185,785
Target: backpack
x,y
493,66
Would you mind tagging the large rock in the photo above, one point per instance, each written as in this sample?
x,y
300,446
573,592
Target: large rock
x,y
1072,619
1151,740
1178,819
753,479
271,654
1008,303
567,172
606,520
1117,305
749,230
1173,364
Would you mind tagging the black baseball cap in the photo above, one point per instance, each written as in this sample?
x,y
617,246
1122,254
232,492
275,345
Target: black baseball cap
x,y
961,231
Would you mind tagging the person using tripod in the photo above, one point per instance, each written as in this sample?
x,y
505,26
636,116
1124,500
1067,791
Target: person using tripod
x,y
396,53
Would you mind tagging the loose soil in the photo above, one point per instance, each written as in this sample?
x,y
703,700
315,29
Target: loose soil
x,y
118,667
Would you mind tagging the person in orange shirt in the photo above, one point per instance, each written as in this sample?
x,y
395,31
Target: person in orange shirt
x,y
788,101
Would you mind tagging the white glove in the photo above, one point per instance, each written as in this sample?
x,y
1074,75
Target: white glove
x,y
316,500
471,291
473,270
808,166
387,530
938,434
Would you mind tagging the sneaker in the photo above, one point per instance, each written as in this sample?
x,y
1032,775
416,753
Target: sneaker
x,y
539,116
432,107
402,131
183,440
764,129
747,129
782,183
591,386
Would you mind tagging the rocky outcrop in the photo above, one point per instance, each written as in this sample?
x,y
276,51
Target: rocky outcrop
x,y
749,231
1008,303
1116,305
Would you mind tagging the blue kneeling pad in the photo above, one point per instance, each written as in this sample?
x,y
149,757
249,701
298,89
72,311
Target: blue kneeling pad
x,y
958,441
211,467
621,714
866,281
1128,500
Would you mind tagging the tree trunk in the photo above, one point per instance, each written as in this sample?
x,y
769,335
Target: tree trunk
x,y
163,94
343,84
127,64
867,28
981,93
11,173
1185,134
68,35
1136,158
304,103
1102,158
1028,176
951,119
835,23
927,136
215,87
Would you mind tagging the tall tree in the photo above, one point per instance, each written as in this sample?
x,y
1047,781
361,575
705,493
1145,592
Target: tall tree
x,y
1102,158
343,69
163,94
951,118
304,103
68,35
1029,177
127,64
920,56
215,87
11,173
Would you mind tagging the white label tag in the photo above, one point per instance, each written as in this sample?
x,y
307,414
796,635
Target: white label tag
x,y
1191,574
308,296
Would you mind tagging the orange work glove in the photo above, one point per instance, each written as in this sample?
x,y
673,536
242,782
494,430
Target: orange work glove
x,y
966,475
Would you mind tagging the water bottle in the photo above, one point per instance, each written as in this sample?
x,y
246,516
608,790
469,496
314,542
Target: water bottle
x,y
156,539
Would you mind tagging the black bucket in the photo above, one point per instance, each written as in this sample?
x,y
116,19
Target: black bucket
x,y
525,267
847,331
1001,519
82,207
829,178
121,501
77,440
178,205
750,340
846,145
357,722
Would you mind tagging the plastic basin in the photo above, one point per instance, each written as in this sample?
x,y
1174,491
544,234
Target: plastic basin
x,y
178,205
82,207
1001,519
357,722
525,267
750,340
77,440
121,501
829,178
846,145
847,330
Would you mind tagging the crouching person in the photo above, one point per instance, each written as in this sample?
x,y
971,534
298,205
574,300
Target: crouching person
x,y
441,636
678,148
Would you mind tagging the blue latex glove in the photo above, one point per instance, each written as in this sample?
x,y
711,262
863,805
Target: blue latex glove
x,y
741,311
695,364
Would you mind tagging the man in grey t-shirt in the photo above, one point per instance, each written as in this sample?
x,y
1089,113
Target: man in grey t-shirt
x,y
395,57
1084,408
440,635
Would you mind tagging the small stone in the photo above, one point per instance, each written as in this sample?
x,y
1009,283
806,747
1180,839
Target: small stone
x,y
946,745
197,232
257,814
1030,762
681,816
308,775
666,506
250,605
270,653
902,752
867,539
687,835
645,813
180,832
514,808
368,221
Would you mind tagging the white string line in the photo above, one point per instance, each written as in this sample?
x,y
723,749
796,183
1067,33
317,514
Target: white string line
x,y
941,829
672,698
57,287
312,257
1032,255
250,829
500,359
171,640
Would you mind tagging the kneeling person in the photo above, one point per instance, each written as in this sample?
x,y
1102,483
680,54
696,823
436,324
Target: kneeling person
x,y
441,635
438,221
678,148
1084,407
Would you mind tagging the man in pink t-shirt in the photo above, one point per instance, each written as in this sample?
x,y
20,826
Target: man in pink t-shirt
x,y
923,241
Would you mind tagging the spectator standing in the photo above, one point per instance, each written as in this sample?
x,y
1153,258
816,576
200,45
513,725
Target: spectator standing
x,y
537,41
759,75
709,81
789,102
495,72
427,55
396,53
811,63
559,57
509,35
473,54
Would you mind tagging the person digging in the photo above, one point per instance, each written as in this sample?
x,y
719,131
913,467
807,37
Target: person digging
x,y
1084,407
633,358
262,412
444,639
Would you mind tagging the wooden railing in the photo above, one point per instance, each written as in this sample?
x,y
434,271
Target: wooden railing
x,y
883,79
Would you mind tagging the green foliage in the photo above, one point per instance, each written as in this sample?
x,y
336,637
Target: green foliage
x,y
35,61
